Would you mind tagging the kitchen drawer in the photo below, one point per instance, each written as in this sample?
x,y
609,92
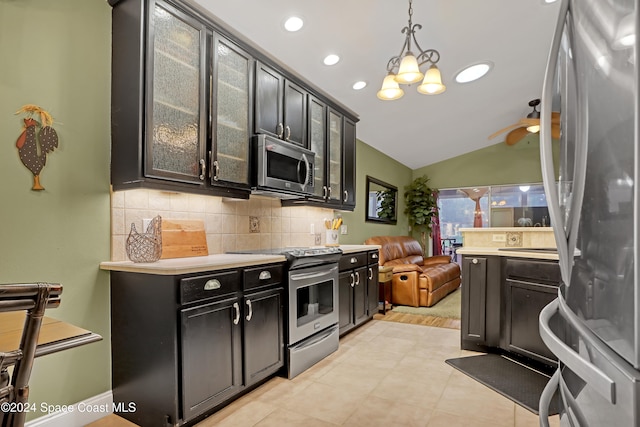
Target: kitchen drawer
x,y
349,261
263,276
209,286
533,270
374,257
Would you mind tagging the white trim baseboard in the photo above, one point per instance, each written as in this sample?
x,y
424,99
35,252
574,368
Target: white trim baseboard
x,y
79,414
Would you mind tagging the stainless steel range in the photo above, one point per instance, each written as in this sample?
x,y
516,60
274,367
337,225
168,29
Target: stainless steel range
x,y
312,305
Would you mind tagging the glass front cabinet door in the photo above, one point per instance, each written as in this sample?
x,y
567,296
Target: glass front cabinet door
x,y
317,144
176,126
335,156
230,113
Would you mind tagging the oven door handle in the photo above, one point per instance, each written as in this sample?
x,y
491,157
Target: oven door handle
x,y
304,276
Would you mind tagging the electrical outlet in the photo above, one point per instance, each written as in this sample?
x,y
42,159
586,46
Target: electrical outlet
x,y
145,224
343,229
499,238
318,239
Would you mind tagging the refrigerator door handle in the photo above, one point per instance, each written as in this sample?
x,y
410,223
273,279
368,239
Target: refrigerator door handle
x,y
572,408
581,367
545,398
546,152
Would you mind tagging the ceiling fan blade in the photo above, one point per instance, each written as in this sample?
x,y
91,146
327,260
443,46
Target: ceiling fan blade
x,y
493,135
529,122
516,135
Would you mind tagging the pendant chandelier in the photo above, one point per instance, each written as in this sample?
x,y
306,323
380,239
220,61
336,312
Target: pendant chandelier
x,y
405,68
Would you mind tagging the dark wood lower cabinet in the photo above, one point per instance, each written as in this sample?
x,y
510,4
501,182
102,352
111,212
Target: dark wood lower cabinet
x,y
372,288
211,356
529,286
358,290
184,345
263,334
481,299
501,302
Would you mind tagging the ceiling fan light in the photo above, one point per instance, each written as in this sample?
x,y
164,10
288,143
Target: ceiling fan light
x,y
432,83
409,71
390,89
533,128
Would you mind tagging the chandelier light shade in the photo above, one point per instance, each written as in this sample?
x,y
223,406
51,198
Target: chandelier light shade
x,y
409,71
405,68
432,83
390,89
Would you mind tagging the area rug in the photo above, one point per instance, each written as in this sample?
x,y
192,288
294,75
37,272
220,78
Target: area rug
x,y
511,379
448,307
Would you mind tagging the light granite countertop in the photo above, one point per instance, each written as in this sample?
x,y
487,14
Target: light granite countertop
x,y
208,263
519,253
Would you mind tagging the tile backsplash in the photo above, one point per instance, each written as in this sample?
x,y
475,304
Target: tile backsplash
x,y
230,224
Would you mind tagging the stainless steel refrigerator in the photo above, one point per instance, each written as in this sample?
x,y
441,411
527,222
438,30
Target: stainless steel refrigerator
x,y
593,327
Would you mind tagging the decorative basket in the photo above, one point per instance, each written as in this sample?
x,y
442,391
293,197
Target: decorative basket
x,y
145,247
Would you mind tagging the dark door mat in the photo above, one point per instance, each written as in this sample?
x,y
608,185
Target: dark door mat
x,y
512,380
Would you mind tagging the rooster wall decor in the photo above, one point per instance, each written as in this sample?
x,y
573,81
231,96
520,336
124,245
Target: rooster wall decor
x,y
33,146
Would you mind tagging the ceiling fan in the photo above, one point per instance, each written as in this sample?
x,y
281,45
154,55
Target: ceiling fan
x,y
529,124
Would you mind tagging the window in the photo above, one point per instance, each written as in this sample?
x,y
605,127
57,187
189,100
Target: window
x,y
494,206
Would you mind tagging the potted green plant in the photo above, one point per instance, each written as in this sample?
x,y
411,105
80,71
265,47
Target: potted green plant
x,y
421,207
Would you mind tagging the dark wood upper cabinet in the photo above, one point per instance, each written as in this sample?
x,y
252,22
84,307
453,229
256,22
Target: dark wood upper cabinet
x,y
349,164
161,100
188,95
231,114
281,106
268,106
295,113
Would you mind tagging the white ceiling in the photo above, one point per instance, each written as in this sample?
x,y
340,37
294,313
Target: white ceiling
x,y
416,130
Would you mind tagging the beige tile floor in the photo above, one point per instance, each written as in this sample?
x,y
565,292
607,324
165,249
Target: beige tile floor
x,y
383,374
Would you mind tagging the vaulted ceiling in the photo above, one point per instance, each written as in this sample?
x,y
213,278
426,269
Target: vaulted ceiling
x,y
417,130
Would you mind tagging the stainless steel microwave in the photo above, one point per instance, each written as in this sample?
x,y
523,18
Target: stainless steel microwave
x,y
282,166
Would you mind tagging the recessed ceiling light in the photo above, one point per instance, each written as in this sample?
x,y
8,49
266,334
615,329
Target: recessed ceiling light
x,y
293,23
331,59
548,1
359,85
473,72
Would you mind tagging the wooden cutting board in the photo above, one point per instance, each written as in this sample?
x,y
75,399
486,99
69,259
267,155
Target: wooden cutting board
x,y
183,238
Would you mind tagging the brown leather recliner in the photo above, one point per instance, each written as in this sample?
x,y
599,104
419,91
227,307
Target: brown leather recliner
x,y
417,281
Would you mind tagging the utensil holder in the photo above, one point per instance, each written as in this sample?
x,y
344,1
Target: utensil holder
x,y
332,238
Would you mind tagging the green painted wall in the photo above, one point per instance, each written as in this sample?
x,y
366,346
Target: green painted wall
x,y
372,162
493,165
57,54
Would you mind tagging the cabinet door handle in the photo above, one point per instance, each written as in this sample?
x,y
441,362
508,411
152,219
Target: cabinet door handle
x,y
265,275
374,256
236,307
370,273
279,130
212,285
287,134
250,315
325,192
216,170
353,260
357,278
353,281
328,192
474,261
346,196
203,169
